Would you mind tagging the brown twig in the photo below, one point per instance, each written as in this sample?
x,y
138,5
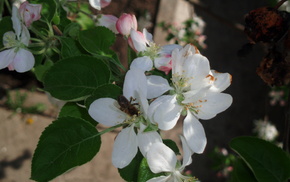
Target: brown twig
x,y
279,4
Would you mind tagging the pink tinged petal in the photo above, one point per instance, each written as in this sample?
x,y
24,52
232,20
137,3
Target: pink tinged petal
x,y
213,104
108,21
222,81
23,61
138,41
146,140
106,112
30,12
95,4
125,147
187,153
105,3
135,82
156,85
161,158
6,57
165,111
16,21
160,179
143,63
194,133
125,23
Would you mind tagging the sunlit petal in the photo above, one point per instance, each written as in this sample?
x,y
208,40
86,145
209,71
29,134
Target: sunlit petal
x,y
104,111
125,147
157,85
194,133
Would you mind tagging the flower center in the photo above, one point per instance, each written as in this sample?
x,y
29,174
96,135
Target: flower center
x,y
9,40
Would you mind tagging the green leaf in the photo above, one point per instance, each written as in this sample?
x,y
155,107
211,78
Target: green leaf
x,y
130,172
97,40
145,173
40,70
108,90
73,110
268,162
241,172
69,47
76,78
72,30
66,143
49,9
6,26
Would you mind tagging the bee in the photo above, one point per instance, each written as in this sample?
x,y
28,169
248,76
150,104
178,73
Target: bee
x,y
127,106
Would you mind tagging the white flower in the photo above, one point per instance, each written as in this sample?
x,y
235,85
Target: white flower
x,y
16,57
265,129
109,112
161,158
196,95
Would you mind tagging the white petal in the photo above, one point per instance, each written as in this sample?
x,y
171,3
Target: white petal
x,y
16,21
167,49
187,153
6,57
135,82
222,81
157,85
213,104
194,133
23,61
145,140
165,111
161,158
148,36
160,179
25,35
144,63
125,147
104,111
95,4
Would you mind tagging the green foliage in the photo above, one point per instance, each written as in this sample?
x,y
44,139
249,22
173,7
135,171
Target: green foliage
x,y
66,143
76,78
6,26
70,47
41,69
242,172
97,40
73,110
145,173
268,162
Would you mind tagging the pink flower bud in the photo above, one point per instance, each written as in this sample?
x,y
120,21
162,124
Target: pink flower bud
x,y
29,12
108,21
125,23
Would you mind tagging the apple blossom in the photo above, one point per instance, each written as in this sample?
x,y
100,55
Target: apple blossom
x,y
98,4
125,23
161,158
108,21
29,12
142,43
109,112
197,94
16,57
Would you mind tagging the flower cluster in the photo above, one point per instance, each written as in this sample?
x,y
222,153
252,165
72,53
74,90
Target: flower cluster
x,y
16,56
150,103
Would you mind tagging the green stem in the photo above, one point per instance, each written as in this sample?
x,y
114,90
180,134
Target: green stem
x,y
129,55
38,33
80,11
109,129
40,44
8,6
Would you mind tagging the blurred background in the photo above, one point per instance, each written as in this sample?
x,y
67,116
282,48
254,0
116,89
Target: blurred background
x,y
217,29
